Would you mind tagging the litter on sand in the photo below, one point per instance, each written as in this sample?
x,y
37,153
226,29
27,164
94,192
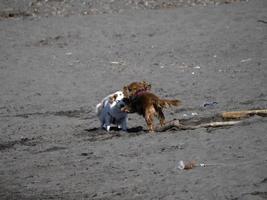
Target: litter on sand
x,y
186,166
192,164
246,60
115,62
68,53
210,104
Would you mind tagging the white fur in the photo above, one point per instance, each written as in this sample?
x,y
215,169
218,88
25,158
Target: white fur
x,y
110,112
99,107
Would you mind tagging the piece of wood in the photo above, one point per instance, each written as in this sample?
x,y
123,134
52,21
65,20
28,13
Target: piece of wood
x,y
176,124
225,116
168,125
243,114
217,124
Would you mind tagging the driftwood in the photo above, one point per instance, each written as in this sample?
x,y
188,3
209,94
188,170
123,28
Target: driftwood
x,y
216,124
231,118
224,119
168,125
243,114
176,124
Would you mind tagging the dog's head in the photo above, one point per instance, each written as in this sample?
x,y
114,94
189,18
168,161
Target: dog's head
x,y
134,87
128,106
117,96
118,106
121,103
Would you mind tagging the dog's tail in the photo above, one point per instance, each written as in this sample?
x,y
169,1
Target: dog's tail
x,y
165,103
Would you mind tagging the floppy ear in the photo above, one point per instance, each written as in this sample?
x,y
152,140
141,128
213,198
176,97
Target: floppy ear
x,y
146,85
125,91
113,98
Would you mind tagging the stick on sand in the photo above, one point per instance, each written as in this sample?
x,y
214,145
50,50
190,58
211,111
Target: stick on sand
x,y
243,114
176,124
233,116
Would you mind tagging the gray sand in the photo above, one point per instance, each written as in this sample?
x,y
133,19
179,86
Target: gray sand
x,y
55,69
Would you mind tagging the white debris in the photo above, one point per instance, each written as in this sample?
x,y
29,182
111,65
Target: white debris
x,y
115,62
246,60
181,165
183,66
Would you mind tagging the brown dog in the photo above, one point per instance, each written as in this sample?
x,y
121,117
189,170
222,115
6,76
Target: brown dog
x,y
145,103
135,87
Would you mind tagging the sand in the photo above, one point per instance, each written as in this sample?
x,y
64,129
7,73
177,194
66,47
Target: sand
x,y
54,69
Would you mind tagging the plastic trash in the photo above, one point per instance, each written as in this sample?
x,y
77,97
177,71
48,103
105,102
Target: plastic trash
x,y
210,104
186,166
68,53
180,165
189,165
246,60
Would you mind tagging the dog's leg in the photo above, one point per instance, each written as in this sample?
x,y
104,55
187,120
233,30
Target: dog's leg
x,y
106,127
149,117
102,119
160,116
124,124
107,122
118,123
119,126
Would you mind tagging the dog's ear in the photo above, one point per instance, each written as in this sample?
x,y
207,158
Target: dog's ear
x,y
147,85
125,91
113,98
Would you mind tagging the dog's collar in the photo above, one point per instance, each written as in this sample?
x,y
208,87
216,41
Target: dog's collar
x,y
140,92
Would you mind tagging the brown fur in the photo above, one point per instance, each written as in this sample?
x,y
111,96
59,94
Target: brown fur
x,y
148,105
112,98
131,89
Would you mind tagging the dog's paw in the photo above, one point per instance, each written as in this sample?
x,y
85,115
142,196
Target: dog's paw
x,y
106,127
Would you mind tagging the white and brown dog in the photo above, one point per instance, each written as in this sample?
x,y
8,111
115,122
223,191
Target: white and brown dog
x,y
109,111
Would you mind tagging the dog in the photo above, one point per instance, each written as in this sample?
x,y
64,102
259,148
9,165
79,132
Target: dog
x,y
142,101
118,95
136,88
109,111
